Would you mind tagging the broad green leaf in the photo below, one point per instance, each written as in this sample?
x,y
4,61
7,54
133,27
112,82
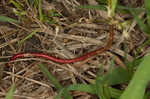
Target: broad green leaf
x,y
117,76
10,93
136,87
8,19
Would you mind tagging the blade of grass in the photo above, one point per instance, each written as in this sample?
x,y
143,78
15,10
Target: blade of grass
x,y
111,66
54,81
147,8
136,87
50,77
34,3
99,73
89,88
129,8
103,7
140,22
17,4
113,7
61,92
29,36
10,93
40,10
101,89
98,7
8,19
118,74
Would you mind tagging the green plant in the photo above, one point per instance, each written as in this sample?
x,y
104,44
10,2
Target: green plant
x,y
10,93
54,81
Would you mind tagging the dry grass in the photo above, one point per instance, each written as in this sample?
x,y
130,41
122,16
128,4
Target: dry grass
x,y
75,32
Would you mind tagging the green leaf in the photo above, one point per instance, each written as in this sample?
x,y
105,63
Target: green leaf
x,y
102,89
89,88
54,81
61,92
8,19
10,93
78,87
147,8
115,93
100,70
117,76
136,87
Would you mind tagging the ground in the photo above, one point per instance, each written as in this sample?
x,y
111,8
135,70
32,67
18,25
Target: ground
x,y
63,29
